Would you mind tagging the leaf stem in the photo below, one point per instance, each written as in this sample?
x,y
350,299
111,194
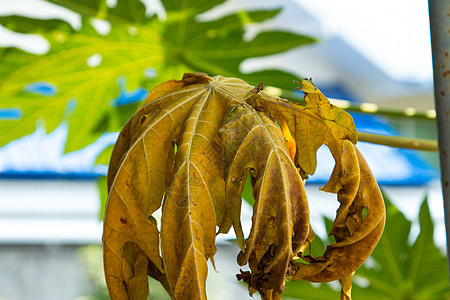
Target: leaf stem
x,y
399,141
391,141
363,107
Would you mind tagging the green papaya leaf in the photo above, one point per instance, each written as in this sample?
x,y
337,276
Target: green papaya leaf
x,y
397,269
401,270
83,65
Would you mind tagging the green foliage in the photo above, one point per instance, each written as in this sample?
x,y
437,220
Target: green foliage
x,y
135,44
404,271
397,269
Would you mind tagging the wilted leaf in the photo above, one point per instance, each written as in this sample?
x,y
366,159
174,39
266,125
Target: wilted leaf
x,y
143,168
355,235
194,142
137,178
340,122
254,143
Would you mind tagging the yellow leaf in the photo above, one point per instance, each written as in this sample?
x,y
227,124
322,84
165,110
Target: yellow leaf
x,y
137,181
255,144
355,236
190,147
189,228
340,122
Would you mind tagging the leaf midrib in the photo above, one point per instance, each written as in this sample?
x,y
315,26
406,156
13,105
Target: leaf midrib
x,y
125,156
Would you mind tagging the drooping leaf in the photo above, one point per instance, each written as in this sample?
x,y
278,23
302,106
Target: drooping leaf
x,y
254,143
190,148
194,201
356,237
135,170
185,113
83,65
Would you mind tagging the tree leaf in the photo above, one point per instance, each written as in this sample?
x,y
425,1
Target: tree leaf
x,y
280,214
181,113
190,147
83,66
188,230
355,236
136,170
400,270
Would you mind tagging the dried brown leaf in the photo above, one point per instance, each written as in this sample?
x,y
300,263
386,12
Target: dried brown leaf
x,y
355,236
193,143
254,143
137,180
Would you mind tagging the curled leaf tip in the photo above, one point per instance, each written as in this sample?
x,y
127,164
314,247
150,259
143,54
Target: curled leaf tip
x,y
306,86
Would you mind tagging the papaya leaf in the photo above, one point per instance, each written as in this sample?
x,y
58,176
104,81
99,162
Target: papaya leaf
x,y
186,113
190,149
135,171
355,237
400,270
280,222
304,290
83,65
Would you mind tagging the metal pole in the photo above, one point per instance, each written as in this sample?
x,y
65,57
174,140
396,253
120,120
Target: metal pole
x,y
440,41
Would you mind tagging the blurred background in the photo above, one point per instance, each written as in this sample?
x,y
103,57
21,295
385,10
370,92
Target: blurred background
x,y
73,72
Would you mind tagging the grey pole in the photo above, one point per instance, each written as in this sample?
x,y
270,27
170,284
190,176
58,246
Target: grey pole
x,y
440,41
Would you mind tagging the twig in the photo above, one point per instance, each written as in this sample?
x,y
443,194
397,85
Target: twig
x,y
391,141
362,107
399,141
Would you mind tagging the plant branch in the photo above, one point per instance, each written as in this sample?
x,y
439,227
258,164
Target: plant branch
x,y
362,107
370,108
399,141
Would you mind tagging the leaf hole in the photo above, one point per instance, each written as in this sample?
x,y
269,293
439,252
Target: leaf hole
x,y
133,31
143,118
101,26
150,73
94,60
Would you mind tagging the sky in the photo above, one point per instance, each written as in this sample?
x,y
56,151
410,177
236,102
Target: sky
x,y
393,34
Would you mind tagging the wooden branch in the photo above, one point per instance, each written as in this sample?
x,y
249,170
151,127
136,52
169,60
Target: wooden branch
x,y
399,141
